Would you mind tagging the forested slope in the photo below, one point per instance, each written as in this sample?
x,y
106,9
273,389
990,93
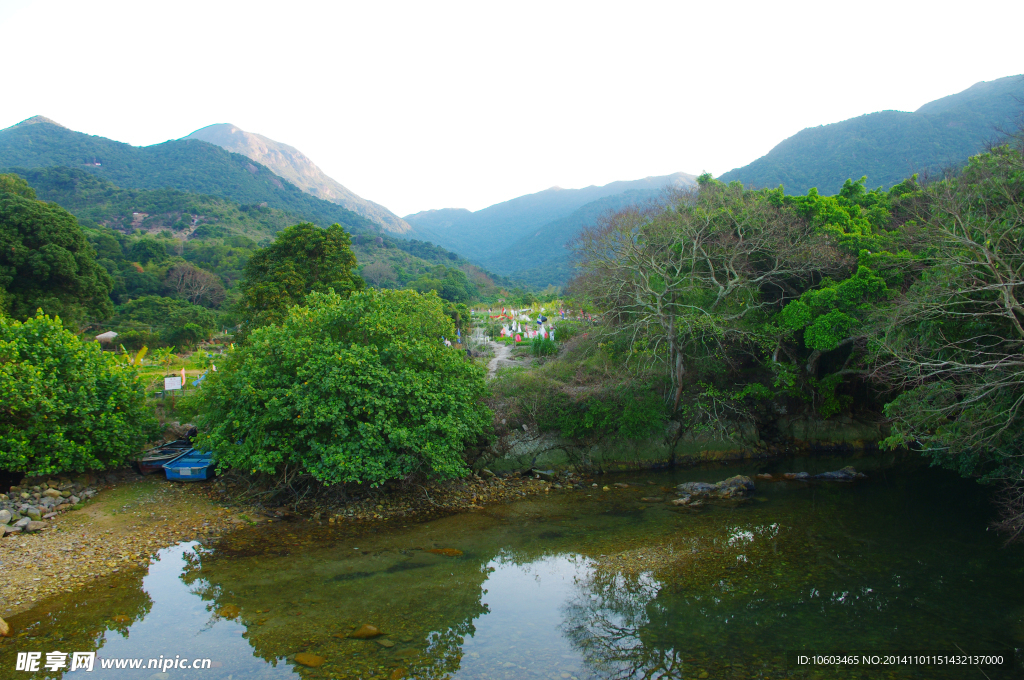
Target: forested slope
x,y
888,146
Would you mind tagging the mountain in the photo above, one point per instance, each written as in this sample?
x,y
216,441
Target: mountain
x,y
889,146
525,237
291,164
188,165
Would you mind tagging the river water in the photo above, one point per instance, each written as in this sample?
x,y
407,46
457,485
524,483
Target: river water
x,y
578,584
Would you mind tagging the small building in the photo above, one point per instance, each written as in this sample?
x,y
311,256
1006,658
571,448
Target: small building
x,y
106,338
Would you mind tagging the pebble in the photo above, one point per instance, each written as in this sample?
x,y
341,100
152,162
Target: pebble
x,y
365,632
5,630
385,643
311,660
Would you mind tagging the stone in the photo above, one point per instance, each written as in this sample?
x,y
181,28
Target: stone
x,y
651,499
621,485
23,522
799,476
546,475
50,515
34,514
604,488
65,494
685,500
697,488
5,516
52,493
447,552
10,530
5,629
366,632
229,611
310,660
385,643
74,500
398,673
25,496
765,475
847,474
734,487
33,527
487,473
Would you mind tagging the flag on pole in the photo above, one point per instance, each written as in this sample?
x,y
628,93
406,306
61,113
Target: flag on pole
x,y
183,375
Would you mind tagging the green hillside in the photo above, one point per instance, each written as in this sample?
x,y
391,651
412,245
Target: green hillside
x,y
187,165
525,237
889,146
140,234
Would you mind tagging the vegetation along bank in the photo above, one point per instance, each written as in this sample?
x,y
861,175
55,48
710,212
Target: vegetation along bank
x,y
721,322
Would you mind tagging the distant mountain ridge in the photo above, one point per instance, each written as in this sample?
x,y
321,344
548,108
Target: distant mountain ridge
x,y
188,165
889,146
526,237
297,168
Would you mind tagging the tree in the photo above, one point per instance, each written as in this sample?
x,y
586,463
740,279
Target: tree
x,y
954,344
65,405
357,389
46,262
198,286
177,321
303,259
681,283
378,273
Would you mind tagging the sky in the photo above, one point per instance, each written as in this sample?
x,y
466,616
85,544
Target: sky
x,y
422,105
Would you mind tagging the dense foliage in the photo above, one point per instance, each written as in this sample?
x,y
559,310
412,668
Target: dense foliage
x,y
303,259
347,389
65,406
45,260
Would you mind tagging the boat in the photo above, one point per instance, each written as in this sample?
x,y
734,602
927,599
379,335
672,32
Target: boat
x,y
192,466
153,460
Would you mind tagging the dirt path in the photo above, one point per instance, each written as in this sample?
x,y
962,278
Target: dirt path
x,y
501,358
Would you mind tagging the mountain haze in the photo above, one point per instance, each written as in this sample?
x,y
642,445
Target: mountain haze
x,y
525,237
297,168
889,146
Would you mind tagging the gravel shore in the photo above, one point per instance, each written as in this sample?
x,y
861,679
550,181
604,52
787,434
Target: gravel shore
x,y
131,518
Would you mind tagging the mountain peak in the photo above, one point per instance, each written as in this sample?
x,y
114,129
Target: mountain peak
x,y
297,168
35,120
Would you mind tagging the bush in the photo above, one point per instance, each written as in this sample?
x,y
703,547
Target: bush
x,y
542,347
66,406
349,390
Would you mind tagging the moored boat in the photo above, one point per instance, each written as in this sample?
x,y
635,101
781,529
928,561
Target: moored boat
x,y
153,460
192,466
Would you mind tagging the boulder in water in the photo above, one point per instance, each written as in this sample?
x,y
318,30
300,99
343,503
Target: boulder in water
x,y
5,630
799,476
739,486
847,474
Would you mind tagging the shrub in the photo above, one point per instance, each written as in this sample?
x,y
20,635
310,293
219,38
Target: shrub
x,y
357,389
542,347
65,406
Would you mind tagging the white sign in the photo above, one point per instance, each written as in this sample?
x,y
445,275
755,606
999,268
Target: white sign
x,y
172,383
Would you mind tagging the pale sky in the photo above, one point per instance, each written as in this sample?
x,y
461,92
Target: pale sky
x,y
420,105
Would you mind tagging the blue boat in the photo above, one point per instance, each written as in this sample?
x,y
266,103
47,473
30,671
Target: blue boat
x,y
192,466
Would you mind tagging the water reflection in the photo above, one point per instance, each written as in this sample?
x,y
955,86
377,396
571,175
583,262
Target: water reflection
x,y
568,587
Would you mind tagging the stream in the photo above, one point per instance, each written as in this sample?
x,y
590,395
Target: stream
x,y
577,584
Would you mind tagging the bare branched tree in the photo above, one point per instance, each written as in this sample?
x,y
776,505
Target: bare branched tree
x,y
954,345
680,280
198,286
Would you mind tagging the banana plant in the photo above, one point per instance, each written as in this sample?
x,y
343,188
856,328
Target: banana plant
x,y
164,356
137,359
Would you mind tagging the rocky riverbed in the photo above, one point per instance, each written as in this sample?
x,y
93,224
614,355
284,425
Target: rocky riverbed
x,y
120,521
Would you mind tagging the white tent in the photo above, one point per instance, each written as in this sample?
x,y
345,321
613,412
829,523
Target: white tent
x,y
106,337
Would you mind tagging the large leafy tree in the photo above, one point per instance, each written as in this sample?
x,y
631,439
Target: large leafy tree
x,y
303,259
46,262
65,405
357,389
954,344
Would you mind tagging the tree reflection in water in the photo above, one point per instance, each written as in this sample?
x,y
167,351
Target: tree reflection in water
x,y
609,619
